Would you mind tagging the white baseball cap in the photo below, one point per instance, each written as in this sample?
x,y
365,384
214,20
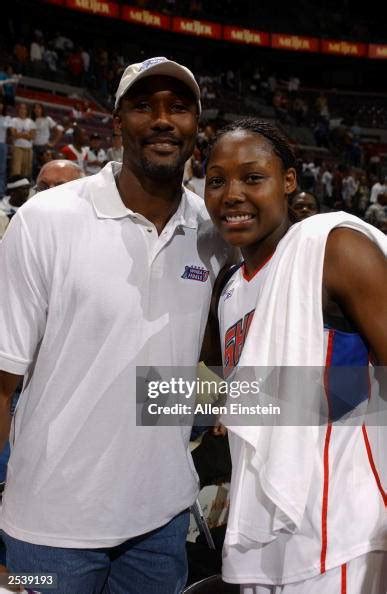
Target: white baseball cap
x,y
157,66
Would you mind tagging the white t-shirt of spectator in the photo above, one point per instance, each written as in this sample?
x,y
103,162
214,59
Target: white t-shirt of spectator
x,y
376,214
95,291
51,59
5,123
86,60
115,154
91,155
326,180
44,125
23,125
350,186
36,52
63,43
377,189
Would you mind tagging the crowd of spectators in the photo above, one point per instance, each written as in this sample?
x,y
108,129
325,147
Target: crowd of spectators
x,y
334,185
32,139
331,121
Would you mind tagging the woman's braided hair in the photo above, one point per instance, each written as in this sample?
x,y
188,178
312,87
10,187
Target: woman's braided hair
x,y
273,135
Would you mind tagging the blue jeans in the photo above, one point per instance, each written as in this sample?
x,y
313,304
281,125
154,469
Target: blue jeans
x,y
154,563
4,457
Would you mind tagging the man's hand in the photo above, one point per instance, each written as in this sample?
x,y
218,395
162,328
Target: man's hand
x,y
8,384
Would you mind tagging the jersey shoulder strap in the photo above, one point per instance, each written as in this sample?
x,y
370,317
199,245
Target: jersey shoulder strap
x,y
223,277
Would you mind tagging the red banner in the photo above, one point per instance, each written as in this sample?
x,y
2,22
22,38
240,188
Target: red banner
x,y
295,43
377,51
343,48
247,36
199,28
149,18
108,9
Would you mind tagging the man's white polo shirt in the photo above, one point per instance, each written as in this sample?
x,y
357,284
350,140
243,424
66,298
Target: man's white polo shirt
x,y
88,290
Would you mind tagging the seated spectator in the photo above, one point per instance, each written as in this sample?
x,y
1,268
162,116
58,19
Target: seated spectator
x,y
197,181
322,107
326,180
5,123
75,65
62,43
50,58
293,84
304,205
21,54
308,179
361,199
48,155
376,214
68,129
115,152
37,52
95,157
76,151
57,172
9,84
378,187
23,131
77,112
300,111
18,189
350,187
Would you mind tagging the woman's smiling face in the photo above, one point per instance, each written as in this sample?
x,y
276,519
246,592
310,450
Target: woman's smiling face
x,y
246,189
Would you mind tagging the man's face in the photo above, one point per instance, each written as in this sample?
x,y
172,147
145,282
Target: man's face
x,y
304,205
55,174
22,110
19,196
158,119
95,143
80,137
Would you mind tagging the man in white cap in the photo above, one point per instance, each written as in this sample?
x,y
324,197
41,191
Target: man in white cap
x,y
18,189
99,276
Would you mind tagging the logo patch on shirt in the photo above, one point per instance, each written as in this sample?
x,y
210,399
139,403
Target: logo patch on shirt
x,y
228,294
196,273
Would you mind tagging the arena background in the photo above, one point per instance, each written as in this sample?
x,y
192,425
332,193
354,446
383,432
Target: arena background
x,y
316,68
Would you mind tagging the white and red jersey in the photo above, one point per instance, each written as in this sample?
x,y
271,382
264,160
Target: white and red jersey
x,y
345,514
235,312
73,154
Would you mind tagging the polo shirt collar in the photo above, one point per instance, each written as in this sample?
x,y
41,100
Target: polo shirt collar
x,y
107,201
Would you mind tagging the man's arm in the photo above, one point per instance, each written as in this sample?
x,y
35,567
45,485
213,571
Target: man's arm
x,y
211,353
8,384
355,276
